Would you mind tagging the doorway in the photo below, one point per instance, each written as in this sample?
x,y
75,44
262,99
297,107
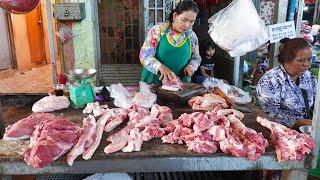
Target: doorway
x,y
36,37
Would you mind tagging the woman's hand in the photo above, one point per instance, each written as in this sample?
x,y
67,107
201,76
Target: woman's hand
x,y
188,70
166,73
302,122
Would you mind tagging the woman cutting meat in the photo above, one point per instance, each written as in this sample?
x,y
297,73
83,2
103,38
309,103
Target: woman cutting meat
x,y
171,49
287,93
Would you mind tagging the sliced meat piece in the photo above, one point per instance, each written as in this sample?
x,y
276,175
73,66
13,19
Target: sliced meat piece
x,y
119,116
145,121
134,141
172,85
87,154
117,137
117,146
89,127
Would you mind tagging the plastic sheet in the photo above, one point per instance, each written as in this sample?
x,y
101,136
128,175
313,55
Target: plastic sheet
x,y
237,28
234,93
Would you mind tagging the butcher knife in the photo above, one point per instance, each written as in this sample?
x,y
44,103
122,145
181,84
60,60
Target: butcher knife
x,y
231,102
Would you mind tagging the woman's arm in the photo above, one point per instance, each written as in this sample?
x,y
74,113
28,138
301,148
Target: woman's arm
x,y
148,50
195,59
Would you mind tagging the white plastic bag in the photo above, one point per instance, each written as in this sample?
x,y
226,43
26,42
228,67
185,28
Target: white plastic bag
x,y
238,28
236,94
122,97
145,98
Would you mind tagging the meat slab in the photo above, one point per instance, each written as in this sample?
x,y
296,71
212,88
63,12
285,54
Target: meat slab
x,y
50,140
24,128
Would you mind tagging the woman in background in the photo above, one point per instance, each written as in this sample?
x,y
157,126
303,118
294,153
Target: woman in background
x,y
287,93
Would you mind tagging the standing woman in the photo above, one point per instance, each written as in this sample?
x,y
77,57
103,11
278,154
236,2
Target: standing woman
x,y
171,49
287,93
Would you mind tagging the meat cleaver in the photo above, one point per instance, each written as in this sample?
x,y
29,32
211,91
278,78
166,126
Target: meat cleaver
x,y
196,90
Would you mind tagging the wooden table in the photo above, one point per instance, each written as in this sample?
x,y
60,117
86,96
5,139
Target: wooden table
x,y
153,157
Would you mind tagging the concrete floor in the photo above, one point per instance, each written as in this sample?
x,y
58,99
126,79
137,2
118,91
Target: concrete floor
x,y
36,81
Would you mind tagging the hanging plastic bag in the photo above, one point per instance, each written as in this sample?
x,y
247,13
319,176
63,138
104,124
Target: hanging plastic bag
x,y
238,28
64,34
236,94
145,98
122,97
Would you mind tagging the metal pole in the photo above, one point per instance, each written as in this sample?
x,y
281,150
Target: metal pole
x,y
299,17
51,41
280,16
316,126
237,80
316,12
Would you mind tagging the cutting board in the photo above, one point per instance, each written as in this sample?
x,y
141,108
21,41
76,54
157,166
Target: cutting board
x,y
188,91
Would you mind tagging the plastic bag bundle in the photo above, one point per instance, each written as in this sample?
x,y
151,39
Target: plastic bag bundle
x,y
145,98
122,97
238,28
236,94
125,99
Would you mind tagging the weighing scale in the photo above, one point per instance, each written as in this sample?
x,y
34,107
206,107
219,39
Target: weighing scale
x,y
80,87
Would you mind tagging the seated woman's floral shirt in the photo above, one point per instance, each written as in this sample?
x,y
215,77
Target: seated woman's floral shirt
x,y
281,98
148,50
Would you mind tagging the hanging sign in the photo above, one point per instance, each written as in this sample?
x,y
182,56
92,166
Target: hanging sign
x,y
281,30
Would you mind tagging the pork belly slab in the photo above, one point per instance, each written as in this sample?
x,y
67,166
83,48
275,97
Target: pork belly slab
x,y
24,128
89,127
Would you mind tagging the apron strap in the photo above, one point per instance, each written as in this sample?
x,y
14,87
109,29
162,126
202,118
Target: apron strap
x,y
307,109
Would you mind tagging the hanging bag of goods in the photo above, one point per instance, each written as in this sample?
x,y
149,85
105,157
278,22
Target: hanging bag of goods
x,y
238,28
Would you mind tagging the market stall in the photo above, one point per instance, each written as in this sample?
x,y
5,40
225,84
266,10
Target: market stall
x,y
153,157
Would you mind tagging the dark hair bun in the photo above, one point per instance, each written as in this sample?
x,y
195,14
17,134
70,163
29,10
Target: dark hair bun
x,y
284,40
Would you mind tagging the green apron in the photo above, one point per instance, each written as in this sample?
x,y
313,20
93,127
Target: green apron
x,y
175,58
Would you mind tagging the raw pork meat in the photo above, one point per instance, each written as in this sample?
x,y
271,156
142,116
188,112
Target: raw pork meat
x,y
24,128
95,108
87,154
89,126
290,144
207,102
172,85
53,138
243,141
134,141
120,115
163,113
153,130
51,103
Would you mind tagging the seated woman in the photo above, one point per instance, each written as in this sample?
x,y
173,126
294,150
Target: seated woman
x,y
287,93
